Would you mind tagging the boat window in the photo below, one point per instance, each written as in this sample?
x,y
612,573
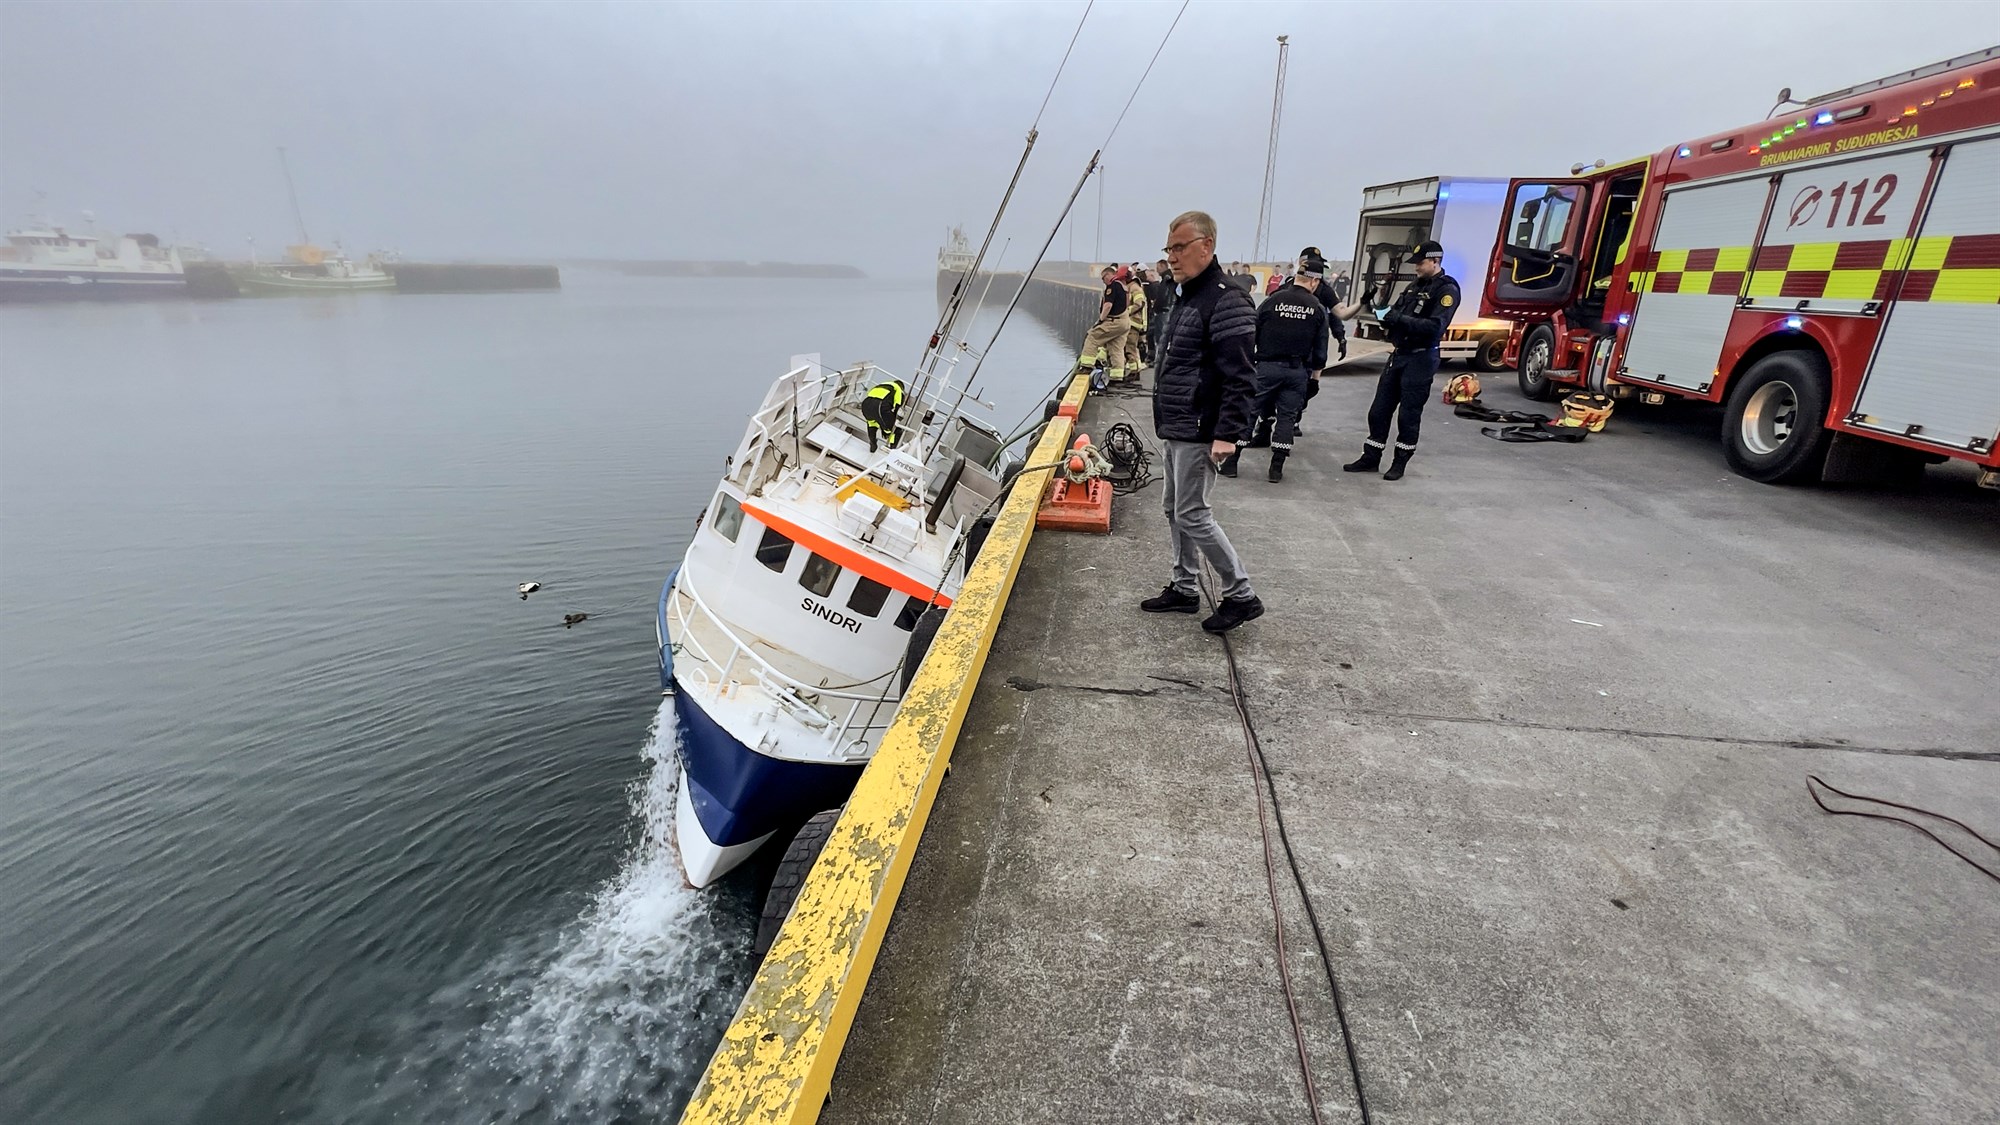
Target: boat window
x,y
728,516
819,575
912,609
868,597
774,549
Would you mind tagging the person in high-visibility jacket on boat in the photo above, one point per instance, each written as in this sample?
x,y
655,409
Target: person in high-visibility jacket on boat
x,y
883,402
1136,313
1107,336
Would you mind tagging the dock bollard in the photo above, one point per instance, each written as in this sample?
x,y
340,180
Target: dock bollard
x,y
1079,498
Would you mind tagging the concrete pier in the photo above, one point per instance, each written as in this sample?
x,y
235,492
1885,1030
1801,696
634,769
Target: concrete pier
x,y
218,280
1539,721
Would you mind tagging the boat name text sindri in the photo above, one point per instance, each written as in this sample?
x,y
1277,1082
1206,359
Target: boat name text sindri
x,y
851,624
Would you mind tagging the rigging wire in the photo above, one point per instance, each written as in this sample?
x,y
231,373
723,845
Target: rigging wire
x,y
1064,63
1089,169
1142,77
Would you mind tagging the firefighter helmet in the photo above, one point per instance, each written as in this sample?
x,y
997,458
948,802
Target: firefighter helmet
x,y
1590,411
1461,388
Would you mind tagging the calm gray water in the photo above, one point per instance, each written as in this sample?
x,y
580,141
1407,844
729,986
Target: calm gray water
x,y
304,814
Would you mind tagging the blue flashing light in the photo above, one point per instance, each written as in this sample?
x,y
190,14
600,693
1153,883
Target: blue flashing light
x,y
1795,322
1624,318
1825,118
1686,151
1445,194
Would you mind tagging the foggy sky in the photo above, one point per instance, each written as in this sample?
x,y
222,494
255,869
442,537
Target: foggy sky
x,y
858,132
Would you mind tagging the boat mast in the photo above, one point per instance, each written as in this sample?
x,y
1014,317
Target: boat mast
x,y
1261,245
292,190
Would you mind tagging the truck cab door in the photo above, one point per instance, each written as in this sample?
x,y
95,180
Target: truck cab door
x,y
1534,265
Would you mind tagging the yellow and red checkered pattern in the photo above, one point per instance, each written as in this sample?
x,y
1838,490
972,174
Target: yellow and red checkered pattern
x,y
1961,268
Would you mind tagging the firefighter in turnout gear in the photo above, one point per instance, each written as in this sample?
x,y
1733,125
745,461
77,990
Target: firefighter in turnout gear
x,y
1135,312
883,402
1415,325
1104,347
1291,350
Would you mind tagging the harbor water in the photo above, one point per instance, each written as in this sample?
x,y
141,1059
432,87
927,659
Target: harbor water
x,y
304,814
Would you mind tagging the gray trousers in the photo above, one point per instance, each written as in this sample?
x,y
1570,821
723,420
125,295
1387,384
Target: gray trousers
x,y
1191,522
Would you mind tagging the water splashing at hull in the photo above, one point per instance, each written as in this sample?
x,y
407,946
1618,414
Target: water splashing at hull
x,y
615,1021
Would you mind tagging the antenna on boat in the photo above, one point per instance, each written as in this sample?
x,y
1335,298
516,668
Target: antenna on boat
x,y
293,190
1074,193
927,362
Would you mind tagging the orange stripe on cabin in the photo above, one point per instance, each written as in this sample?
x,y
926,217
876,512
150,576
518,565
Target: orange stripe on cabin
x,y
847,557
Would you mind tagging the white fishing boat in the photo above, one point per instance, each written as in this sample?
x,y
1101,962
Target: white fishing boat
x,y
955,260
822,565
786,633
48,262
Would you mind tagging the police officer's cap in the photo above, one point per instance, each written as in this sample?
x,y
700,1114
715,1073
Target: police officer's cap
x,y
1311,264
1427,250
1310,252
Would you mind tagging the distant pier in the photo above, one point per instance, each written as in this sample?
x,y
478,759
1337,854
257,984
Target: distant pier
x,y
219,279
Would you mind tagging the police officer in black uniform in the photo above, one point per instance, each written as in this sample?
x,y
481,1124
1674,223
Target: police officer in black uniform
x,y
1415,325
1291,349
1331,299
1324,291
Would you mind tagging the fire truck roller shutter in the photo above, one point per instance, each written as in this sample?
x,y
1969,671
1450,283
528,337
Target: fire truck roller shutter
x,y
1676,335
1934,367
1836,231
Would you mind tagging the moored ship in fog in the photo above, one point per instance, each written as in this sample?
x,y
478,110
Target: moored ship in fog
x,y
49,263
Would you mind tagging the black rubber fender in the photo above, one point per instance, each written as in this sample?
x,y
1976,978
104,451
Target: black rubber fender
x,y
945,490
800,855
975,538
920,642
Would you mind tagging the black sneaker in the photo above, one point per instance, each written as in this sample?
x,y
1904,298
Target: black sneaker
x,y
1171,600
1231,613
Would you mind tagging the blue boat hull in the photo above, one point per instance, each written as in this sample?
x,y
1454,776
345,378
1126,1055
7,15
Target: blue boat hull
x,y
740,795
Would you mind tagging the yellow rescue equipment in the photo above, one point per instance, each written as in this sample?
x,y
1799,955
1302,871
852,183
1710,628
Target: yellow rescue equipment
x,y
1461,388
1586,410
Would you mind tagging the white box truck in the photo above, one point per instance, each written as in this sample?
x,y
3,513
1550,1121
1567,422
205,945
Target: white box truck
x,y
1463,215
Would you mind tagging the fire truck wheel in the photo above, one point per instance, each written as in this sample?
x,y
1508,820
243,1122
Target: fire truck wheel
x,y
1492,355
1774,426
1537,351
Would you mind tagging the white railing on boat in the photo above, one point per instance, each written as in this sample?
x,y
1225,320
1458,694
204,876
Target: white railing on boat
x,y
812,390
867,715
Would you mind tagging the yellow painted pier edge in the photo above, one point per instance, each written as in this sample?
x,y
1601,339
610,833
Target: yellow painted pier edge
x,y
775,1062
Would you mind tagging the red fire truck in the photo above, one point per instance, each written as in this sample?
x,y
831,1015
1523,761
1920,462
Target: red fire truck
x,y
1831,276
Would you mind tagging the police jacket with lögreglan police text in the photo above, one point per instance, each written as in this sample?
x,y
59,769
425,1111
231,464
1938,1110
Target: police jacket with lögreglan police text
x,y
1206,383
1417,321
1291,325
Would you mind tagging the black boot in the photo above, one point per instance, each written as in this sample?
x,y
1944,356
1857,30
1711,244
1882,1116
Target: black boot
x,y
1278,464
1228,466
1369,461
1260,435
1396,465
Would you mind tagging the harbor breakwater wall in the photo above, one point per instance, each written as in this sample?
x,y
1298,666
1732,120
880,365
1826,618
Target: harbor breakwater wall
x,y
1066,307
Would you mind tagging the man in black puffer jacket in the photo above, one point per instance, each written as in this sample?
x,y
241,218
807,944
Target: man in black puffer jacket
x,y
1203,391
